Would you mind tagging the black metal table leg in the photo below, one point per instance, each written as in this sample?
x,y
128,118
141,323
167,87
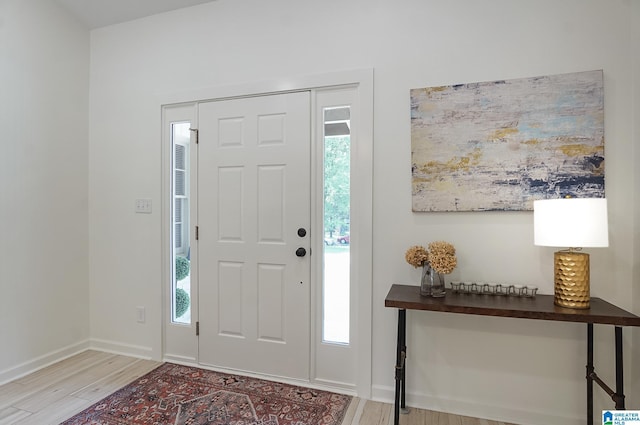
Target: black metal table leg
x,y
590,371
400,373
618,397
403,392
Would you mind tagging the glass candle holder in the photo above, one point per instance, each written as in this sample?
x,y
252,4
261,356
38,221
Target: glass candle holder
x,y
516,290
502,289
487,289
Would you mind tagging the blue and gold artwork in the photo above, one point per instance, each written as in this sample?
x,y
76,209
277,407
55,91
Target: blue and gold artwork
x,y
500,145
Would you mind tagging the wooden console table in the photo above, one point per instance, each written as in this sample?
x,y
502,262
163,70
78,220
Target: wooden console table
x,y
540,307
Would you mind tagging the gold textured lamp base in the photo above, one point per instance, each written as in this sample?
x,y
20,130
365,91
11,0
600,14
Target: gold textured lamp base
x,y
571,277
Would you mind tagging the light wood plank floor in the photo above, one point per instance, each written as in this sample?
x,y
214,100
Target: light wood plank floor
x,y
55,393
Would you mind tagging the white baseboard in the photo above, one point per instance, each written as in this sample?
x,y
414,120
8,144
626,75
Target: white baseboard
x,y
113,347
468,408
43,361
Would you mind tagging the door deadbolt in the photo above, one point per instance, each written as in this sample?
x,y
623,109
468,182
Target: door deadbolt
x,y
302,232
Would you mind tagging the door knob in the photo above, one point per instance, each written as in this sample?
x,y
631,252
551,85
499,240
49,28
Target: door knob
x,y
301,252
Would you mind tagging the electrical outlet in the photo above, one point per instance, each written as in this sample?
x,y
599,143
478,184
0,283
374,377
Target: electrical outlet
x,y
143,206
140,313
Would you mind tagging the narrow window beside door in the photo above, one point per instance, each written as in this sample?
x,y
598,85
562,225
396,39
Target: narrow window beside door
x,y
337,238
181,251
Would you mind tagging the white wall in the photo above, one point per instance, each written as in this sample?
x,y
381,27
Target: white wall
x,y
507,369
44,97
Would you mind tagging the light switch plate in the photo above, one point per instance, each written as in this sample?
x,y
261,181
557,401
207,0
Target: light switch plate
x,y
143,206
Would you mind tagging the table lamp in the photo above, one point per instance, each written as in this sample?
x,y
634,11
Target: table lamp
x,y
573,223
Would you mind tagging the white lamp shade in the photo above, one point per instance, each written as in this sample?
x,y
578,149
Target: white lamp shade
x,y
571,222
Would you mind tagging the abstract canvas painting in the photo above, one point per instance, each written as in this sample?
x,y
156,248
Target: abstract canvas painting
x,y
500,145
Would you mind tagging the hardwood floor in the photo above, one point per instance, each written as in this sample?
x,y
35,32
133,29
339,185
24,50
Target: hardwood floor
x,y
376,413
55,393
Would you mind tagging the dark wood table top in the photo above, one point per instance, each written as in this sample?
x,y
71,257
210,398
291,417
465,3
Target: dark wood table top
x,y
540,307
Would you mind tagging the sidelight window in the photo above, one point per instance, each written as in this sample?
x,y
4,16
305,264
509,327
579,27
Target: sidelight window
x,y
337,238
181,247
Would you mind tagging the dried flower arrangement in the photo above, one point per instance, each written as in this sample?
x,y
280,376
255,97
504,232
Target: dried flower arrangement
x,y
441,256
417,256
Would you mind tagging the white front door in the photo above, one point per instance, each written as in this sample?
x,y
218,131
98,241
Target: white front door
x,y
253,224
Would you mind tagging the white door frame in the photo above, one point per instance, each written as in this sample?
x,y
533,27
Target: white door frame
x,y
362,199
178,339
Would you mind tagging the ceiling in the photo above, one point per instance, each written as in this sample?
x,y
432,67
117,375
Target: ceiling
x,y
100,13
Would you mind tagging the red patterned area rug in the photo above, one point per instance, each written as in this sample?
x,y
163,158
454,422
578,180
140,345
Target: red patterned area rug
x,y
182,395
